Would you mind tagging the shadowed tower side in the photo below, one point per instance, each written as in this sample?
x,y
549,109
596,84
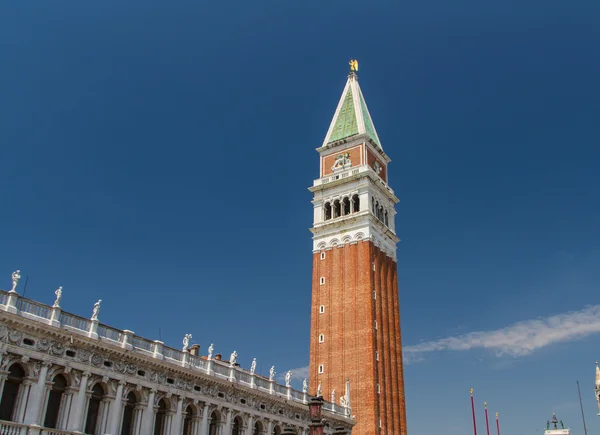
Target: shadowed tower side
x,y
355,315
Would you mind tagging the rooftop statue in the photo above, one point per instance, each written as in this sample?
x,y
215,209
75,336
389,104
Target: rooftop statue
x,y
186,342
16,276
58,293
96,310
253,366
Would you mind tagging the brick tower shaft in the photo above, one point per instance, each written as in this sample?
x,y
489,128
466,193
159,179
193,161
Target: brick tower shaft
x,y
355,315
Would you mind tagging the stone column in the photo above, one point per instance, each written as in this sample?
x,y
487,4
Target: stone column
x,y
77,413
197,426
3,377
178,421
66,402
22,400
36,397
205,418
270,427
149,414
117,410
138,415
228,422
104,422
250,428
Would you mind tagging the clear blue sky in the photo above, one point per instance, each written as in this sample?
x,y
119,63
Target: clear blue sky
x,y
157,155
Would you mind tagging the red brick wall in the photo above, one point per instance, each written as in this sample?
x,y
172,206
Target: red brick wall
x,y
371,159
351,339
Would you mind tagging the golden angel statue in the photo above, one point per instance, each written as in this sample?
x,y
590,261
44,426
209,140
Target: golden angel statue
x,y
353,65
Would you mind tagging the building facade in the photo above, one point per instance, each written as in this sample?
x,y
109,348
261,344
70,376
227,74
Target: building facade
x,y
64,374
355,317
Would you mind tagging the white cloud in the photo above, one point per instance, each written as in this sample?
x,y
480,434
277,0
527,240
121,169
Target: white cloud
x,y
518,339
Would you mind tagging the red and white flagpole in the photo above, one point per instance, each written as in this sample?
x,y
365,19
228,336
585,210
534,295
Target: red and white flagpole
x,y
473,409
497,424
487,423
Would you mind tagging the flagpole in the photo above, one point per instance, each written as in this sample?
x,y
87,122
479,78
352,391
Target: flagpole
x,y
487,423
497,424
473,409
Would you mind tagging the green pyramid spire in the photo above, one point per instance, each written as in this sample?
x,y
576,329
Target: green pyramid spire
x,y
352,116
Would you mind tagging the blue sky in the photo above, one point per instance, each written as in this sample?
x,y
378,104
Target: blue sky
x,y
157,155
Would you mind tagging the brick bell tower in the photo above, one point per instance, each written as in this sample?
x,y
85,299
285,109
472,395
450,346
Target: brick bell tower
x,y
355,316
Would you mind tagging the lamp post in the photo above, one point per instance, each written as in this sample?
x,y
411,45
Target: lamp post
x,y
315,407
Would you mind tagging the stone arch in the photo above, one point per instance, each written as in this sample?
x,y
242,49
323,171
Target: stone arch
x,y
191,416
334,242
13,388
346,239
238,425
260,428
277,430
327,211
321,245
132,410
359,236
98,391
355,203
163,405
346,206
215,421
55,406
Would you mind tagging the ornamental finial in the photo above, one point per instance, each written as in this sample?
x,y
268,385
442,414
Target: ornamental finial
x,y
353,65
471,391
485,404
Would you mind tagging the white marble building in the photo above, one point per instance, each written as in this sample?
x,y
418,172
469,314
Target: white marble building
x,y
64,374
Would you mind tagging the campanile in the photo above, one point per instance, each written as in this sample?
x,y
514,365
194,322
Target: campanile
x,y
355,315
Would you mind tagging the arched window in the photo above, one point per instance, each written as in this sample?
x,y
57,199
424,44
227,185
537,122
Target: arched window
x,y
159,419
258,428
355,203
276,430
129,413
215,420
91,422
386,218
337,208
346,209
238,425
59,385
376,211
11,391
327,211
381,213
188,421
373,205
